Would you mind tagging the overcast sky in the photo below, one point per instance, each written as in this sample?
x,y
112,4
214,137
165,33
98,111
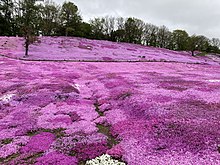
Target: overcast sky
x,y
194,16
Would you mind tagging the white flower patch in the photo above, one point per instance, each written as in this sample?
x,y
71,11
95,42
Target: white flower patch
x,y
77,86
7,98
213,81
104,160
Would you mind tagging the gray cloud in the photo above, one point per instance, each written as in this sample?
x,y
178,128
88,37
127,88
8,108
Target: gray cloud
x,y
195,16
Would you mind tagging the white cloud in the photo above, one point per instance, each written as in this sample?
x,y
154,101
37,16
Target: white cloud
x,y
195,16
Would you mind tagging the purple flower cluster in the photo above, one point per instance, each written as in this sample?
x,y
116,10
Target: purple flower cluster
x,y
56,159
39,143
83,147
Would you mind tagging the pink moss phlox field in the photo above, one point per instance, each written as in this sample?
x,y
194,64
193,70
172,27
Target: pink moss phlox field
x,y
117,151
39,143
83,147
70,48
141,113
56,159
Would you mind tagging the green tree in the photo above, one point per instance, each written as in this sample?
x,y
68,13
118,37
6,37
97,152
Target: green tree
x,y
118,35
70,18
200,43
180,39
49,18
3,25
192,44
28,22
85,30
134,30
203,43
6,17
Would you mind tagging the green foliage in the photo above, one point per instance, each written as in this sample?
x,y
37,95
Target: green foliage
x,y
84,30
49,20
29,14
6,17
202,54
134,29
28,22
200,43
97,25
180,39
70,18
118,35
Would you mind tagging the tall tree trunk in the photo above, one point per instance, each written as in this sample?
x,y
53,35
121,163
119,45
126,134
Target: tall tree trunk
x,y
26,46
193,53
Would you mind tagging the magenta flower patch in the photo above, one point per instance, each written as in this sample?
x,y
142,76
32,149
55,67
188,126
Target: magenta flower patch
x,y
82,146
39,143
57,159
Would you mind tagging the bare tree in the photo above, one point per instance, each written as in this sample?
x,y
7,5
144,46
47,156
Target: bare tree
x,y
120,23
150,34
109,26
215,42
97,25
163,37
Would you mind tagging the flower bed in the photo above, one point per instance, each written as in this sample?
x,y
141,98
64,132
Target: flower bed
x,y
139,113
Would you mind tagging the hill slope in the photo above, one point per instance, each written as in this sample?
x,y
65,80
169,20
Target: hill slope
x,y
140,113
70,48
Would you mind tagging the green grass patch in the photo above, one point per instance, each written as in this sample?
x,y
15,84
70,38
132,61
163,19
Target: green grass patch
x,y
98,110
202,54
6,141
9,158
111,141
57,132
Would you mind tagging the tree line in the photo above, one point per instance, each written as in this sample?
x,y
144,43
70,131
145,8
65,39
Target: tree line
x,y
29,18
